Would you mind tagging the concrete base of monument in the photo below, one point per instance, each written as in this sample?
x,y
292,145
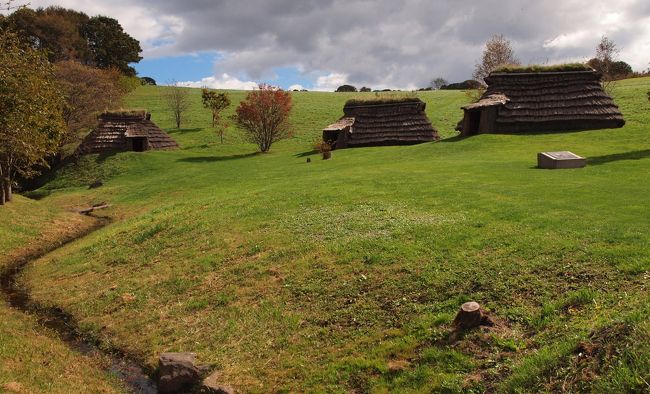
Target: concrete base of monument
x,y
560,160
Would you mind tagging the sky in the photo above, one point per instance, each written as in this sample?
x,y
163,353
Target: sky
x,y
321,44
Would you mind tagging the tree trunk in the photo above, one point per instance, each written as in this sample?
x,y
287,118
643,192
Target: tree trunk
x,y
2,192
7,190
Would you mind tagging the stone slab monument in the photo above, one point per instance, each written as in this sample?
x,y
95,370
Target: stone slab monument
x,y
560,160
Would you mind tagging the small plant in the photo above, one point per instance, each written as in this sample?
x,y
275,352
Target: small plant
x,y
648,95
324,149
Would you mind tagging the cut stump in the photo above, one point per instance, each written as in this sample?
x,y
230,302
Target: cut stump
x,y
469,316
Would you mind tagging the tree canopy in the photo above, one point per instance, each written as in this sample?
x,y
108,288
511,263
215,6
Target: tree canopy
x,y
498,52
31,122
264,115
72,35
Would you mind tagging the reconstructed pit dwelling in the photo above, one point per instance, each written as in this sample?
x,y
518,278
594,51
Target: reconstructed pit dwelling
x,y
381,122
541,101
126,131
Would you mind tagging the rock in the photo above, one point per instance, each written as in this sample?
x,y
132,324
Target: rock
x,y
177,372
211,385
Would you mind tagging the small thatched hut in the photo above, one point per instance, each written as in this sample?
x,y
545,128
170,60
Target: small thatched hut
x,y
381,122
126,131
541,101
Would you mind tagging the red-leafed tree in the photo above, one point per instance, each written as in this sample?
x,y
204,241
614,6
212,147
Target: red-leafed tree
x,y
264,115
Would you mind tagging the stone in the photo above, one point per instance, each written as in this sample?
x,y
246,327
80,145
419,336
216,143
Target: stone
x,y
560,160
177,372
211,385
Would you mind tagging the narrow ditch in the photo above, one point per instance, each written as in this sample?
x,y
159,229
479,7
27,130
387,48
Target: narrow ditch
x,y
128,370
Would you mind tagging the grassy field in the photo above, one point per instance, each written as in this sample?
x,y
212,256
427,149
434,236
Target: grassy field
x,y
32,359
344,275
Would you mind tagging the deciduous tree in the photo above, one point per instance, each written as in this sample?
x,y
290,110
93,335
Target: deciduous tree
x,y
110,45
177,100
87,91
215,102
438,83
346,88
264,115
498,52
31,122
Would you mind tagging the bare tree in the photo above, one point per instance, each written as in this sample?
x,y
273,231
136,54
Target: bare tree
x,y
177,100
438,83
606,53
498,52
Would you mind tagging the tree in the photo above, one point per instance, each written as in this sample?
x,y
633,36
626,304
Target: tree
x,y
54,29
365,89
264,115
346,88
147,81
215,102
110,45
31,123
498,52
438,83
87,90
177,100
615,70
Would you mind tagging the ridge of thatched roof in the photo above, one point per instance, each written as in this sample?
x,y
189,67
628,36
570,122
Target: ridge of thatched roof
x,y
381,101
536,68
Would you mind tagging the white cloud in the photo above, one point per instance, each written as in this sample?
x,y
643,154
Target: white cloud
x,y
296,87
329,83
223,81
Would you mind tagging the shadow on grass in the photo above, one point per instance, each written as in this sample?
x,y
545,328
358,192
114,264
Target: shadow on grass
x,y
182,131
634,155
212,159
456,138
305,154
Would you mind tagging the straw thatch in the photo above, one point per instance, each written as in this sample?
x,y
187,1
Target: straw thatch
x,y
386,122
541,101
124,131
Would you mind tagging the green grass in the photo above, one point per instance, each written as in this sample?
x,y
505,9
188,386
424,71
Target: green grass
x,y
294,276
32,359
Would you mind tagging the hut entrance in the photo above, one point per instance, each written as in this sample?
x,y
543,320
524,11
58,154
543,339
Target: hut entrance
x,y
474,122
138,144
330,136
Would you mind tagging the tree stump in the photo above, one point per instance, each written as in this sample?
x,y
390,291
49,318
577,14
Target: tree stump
x,y
469,316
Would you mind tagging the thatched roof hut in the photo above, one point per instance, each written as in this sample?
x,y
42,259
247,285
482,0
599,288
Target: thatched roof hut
x,y
126,131
541,101
381,122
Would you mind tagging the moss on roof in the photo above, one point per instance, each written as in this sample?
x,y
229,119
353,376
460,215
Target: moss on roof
x,y
382,100
535,68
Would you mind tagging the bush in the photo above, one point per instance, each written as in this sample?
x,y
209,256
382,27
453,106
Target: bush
x,y
324,149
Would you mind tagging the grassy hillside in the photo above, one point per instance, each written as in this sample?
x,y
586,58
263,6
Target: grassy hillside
x,y
345,274
32,360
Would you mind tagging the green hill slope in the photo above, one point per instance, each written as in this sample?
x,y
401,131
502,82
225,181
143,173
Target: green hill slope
x,y
345,274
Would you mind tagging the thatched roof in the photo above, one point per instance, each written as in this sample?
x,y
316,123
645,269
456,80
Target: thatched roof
x,y
399,121
547,101
115,128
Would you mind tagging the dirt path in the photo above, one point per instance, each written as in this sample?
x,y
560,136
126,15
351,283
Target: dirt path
x,y
126,369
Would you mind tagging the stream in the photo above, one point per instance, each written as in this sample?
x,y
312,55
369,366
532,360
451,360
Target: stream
x,y
131,373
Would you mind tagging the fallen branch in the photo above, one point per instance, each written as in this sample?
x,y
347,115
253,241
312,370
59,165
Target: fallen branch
x,y
93,208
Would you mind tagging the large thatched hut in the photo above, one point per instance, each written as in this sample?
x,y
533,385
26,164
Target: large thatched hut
x,y
126,131
381,122
544,100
